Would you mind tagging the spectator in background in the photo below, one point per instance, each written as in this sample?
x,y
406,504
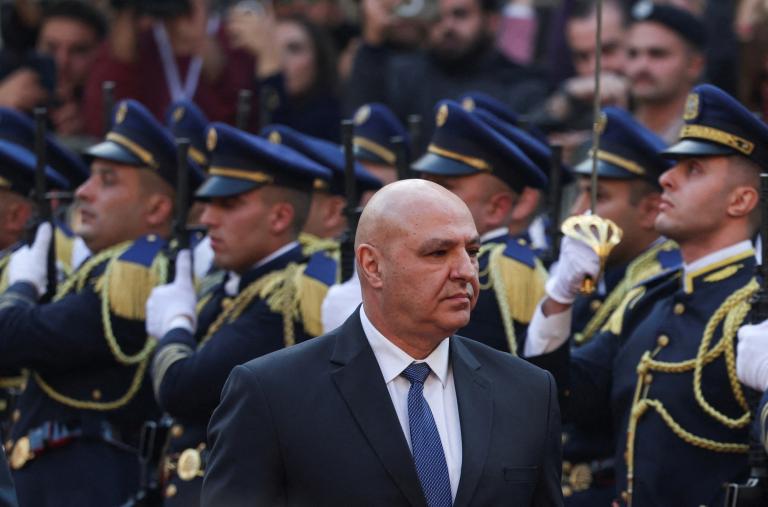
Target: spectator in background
x,y
185,51
569,110
665,60
460,55
70,32
297,58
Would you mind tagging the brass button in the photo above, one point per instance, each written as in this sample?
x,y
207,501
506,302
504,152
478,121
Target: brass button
x,y
625,496
679,308
648,378
96,394
567,491
16,415
595,305
521,241
170,491
177,430
8,445
151,238
663,340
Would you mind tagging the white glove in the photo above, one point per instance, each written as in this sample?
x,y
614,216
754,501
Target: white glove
x,y
30,263
752,355
577,260
172,305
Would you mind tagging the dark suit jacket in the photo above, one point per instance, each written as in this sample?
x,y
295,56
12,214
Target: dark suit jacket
x,y
314,425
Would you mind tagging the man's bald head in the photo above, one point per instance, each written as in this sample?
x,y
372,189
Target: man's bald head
x,y
397,207
416,251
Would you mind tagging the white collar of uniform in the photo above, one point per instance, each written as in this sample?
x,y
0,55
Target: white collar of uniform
x,y
494,233
393,360
233,281
728,252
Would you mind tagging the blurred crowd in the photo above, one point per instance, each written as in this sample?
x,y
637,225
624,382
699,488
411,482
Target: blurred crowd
x,y
308,63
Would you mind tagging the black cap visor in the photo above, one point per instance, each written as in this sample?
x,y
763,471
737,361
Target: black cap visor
x,y
696,148
224,186
109,150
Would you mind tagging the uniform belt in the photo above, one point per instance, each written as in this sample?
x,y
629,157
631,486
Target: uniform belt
x,y
53,435
582,476
187,464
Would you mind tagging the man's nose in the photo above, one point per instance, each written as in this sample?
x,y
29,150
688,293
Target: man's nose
x,y
668,178
84,191
465,267
208,216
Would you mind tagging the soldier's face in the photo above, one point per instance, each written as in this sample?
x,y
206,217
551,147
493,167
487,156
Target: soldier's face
x,y
112,205
581,41
238,227
660,65
616,202
695,199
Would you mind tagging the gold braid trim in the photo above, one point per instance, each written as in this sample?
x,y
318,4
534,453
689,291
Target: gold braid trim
x,y
311,244
270,287
4,277
76,283
642,267
733,311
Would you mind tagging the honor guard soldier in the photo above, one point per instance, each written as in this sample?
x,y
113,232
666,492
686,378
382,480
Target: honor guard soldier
x,y
76,428
489,173
629,163
17,128
17,181
326,221
256,201
375,127
663,367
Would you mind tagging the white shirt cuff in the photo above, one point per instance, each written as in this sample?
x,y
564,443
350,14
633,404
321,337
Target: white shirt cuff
x,y
546,334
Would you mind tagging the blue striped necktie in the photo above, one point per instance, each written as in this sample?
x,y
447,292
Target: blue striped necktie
x,y
428,453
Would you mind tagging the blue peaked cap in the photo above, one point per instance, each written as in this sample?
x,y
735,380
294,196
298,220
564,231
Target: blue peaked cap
x,y
478,100
463,144
240,162
19,129
375,126
137,138
717,124
539,152
184,119
17,170
627,150
325,153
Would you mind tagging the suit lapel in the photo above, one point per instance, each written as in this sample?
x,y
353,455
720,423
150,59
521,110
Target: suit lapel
x,y
474,396
360,383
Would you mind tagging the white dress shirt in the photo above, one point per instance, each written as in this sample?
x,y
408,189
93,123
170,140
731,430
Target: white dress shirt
x,y
340,302
439,391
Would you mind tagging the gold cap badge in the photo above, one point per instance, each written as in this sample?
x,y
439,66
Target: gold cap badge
x,y
275,138
210,142
122,110
442,115
691,110
178,114
362,115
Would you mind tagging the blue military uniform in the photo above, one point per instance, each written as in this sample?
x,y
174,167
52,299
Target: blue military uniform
x,y
237,322
323,265
662,369
628,151
511,277
76,431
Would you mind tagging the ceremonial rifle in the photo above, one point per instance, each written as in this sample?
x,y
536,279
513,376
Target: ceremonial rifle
x,y
402,164
414,132
44,211
555,202
243,115
108,103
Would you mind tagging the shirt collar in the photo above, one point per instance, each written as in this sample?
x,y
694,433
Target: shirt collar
x,y
232,285
715,260
393,360
494,234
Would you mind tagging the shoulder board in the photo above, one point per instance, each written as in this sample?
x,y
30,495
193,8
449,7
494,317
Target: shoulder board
x,y
662,277
520,252
132,274
522,283
322,267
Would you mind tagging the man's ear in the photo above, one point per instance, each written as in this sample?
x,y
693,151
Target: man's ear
x,y
743,200
17,216
526,205
159,209
281,217
499,207
369,265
